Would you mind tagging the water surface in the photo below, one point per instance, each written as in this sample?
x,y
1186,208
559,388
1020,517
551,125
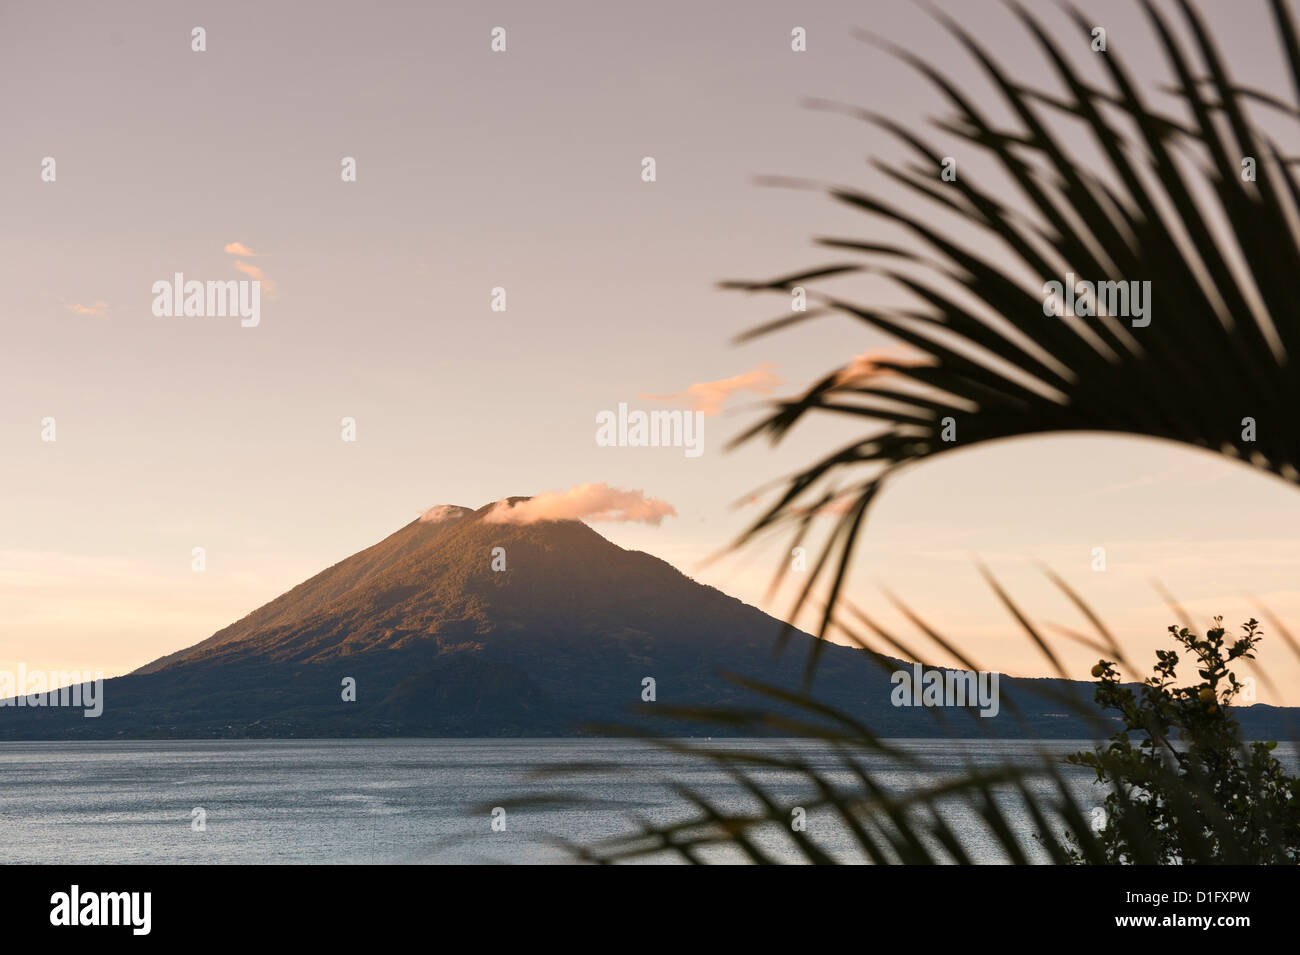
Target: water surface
x,y
416,800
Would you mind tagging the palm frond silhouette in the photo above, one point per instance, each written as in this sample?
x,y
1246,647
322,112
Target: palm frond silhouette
x,y
1200,202
1202,206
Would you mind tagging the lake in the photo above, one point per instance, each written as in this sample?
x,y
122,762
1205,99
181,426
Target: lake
x,y
419,800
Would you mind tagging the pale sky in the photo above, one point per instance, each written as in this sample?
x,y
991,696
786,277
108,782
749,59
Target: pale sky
x,y
522,170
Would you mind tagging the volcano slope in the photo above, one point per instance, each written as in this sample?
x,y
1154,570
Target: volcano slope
x,y
438,643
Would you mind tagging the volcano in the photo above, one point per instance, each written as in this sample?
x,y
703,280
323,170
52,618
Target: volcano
x,y
461,624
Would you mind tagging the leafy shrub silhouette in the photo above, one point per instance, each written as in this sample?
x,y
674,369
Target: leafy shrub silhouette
x,y
1196,790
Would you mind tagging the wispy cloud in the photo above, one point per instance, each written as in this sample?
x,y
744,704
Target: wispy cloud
x,y
99,308
710,396
868,364
589,502
252,271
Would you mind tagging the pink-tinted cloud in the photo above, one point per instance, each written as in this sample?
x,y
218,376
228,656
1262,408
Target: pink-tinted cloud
x,y
255,273
97,309
585,502
867,365
252,271
710,396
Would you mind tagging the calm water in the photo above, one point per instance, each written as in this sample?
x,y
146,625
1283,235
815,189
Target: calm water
x,y
372,801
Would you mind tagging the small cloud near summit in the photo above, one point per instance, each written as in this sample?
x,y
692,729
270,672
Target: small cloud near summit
x,y
443,512
589,502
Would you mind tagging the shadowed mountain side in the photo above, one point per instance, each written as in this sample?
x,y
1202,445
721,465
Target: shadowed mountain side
x,y
440,644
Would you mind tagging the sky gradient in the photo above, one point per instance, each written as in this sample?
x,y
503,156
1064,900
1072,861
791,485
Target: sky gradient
x,y
520,170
